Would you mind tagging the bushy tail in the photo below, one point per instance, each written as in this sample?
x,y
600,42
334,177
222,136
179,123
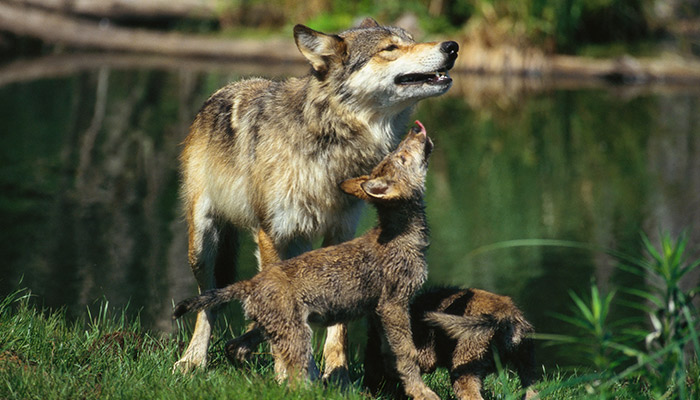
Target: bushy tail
x,y
459,326
211,298
482,328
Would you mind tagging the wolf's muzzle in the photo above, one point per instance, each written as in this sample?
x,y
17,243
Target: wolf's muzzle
x,y
450,48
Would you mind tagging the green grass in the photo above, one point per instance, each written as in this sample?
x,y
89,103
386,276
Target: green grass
x,y
43,355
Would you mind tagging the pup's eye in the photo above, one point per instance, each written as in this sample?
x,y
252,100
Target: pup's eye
x,y
390,47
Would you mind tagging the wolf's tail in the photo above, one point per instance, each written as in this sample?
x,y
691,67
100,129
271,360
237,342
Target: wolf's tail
x,y
212,298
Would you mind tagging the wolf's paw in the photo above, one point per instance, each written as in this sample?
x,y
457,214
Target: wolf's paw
x,y
186,365
337,376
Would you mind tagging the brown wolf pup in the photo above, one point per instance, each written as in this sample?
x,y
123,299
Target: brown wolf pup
x,y
375,274
269,155
460,329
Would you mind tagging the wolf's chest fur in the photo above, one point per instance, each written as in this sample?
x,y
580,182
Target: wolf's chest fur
x,y
285,146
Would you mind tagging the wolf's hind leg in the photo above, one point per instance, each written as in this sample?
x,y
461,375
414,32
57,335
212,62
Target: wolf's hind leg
x,y
212,252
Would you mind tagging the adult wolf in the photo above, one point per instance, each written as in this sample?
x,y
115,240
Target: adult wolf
x,y
269,155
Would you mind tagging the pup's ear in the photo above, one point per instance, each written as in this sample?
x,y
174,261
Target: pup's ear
x,y
354,187
368,22
318,47
380,188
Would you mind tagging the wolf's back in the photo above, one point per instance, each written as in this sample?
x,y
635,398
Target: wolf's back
x,y
212,298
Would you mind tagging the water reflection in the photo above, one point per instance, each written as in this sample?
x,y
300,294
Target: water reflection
x,y
90,210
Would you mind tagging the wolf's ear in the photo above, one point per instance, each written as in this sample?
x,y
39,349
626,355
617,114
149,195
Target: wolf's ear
x,y
368,22
318,47
353,187
380,188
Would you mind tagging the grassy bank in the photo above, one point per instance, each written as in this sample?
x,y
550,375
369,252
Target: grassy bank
x,y
105,355
44,356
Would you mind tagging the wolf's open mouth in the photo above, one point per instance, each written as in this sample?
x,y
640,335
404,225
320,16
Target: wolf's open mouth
x,y
439,77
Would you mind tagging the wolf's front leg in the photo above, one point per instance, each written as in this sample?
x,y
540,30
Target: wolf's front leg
x,y
397,327
335,355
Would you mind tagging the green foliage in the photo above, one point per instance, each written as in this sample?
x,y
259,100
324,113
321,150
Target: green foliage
x,y
568,23
657,353
565,24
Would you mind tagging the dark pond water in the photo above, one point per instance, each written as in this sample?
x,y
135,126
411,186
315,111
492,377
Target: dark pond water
x,y
89,204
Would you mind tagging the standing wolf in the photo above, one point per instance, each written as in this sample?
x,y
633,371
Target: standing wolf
x,y
269,155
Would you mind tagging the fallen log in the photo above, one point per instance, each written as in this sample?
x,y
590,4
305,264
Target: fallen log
x,y
82,33
198,9
507,59
61,65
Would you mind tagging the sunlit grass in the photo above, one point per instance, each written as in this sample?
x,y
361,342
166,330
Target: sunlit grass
x,y
43,355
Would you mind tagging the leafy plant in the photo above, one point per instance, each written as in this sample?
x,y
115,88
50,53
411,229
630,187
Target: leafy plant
x,y
658,353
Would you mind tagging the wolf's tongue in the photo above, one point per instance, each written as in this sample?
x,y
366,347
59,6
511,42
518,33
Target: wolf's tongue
x,y
414,78
435,77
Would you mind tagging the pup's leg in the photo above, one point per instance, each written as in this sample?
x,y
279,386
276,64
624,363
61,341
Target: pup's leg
x,y
466,385
524,362
379,375
471,361
241,348
335,349
374,364
397,327
212,253
290,342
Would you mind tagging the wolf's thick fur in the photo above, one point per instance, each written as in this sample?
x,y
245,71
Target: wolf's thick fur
x,y
375,275
459,329
269,155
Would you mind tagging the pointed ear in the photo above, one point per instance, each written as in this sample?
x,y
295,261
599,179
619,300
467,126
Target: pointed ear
x,y
379,188
354,187
317,47
368,23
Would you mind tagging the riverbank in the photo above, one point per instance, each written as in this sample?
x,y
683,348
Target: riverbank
x,y
105,355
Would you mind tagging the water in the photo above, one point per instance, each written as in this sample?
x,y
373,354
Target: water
x,y
89,204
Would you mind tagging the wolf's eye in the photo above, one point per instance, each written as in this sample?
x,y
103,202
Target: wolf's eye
x,y
403,159
390,47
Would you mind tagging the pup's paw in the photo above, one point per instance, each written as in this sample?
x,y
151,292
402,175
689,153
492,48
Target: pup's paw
x,y
240,349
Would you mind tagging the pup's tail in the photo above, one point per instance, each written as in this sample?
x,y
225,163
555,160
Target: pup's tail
x,y
459,326
212,298
481,328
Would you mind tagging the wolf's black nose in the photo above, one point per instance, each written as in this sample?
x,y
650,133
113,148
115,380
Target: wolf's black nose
x,y
450,48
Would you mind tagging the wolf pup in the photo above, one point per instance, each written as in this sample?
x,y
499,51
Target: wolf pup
x,y
375,274
459,329
269,155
